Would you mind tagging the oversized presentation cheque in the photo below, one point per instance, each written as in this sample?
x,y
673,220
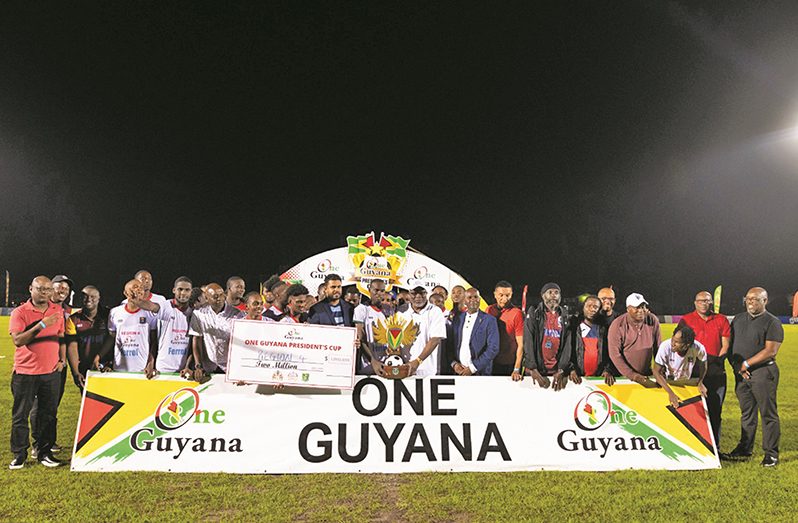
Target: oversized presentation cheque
x,y
292,354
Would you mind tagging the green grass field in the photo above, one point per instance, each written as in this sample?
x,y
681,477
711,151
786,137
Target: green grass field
x,y
738,492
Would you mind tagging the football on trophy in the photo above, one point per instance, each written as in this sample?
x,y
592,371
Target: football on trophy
x,y
393,361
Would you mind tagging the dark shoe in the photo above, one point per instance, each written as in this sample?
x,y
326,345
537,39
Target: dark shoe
x,y
769,461
49,461
737,454
18,462
55,449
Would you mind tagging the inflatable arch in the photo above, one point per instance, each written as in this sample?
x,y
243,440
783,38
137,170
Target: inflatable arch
x,y
368,257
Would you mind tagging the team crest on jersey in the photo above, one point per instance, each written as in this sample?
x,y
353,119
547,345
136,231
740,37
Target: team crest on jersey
x,y
142,320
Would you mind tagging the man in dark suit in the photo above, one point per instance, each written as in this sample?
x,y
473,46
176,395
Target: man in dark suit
x,y
475,340
332,310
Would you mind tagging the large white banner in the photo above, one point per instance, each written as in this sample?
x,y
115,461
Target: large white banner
x,y
384,426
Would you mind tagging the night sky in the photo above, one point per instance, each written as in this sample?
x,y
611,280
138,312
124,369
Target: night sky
x,y
643,144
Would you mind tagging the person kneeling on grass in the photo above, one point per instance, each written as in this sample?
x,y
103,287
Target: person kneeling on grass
x,y
678,360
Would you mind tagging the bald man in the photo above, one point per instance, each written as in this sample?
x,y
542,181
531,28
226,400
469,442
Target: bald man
x,y
37,330
475,340
607,312
756,336
713,332
211,326
132,333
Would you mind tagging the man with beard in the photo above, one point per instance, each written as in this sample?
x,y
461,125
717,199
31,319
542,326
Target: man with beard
x,y
174,343
132,334
714,333
91,328
211,326
590,356
547,347
432,330
332,310
633,340
510,320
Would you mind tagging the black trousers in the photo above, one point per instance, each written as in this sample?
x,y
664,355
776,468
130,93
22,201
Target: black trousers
x,y
35,426
27,388
716,393
757,395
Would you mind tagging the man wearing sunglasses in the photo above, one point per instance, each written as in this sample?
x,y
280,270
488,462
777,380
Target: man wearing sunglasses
x,y
633,340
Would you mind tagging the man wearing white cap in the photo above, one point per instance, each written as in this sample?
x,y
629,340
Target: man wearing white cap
x,y
633,340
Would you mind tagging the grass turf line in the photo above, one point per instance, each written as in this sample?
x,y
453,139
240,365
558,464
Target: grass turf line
x,y
737,492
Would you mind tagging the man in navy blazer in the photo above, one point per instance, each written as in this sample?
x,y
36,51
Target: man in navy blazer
x,y
475,339
332,310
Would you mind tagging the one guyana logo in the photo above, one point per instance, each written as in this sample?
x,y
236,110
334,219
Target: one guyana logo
x,y
596,410
593,410
175,411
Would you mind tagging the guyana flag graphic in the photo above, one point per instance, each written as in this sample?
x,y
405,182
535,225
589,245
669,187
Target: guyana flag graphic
x,y
112,407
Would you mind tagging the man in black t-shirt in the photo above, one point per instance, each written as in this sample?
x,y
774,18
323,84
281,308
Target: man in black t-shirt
x,y
756,336
91,328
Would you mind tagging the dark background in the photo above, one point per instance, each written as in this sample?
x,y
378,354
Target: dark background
x,y
637,143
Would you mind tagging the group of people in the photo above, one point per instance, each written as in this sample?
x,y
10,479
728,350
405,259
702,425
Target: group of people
x,y
189,334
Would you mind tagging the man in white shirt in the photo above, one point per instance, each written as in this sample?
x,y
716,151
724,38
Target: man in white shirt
x,y
133,334
211,326
676,360
475,339
432,330
173,340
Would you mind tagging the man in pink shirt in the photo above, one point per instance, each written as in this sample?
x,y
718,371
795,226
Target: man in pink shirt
x,y
37,330
633,340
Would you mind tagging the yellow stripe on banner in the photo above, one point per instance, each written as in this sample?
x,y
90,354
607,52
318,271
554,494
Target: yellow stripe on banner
x,y
140,398
651,404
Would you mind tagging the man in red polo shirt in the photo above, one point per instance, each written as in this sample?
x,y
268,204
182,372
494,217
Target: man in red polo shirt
x,y
714,333
37,330
511,332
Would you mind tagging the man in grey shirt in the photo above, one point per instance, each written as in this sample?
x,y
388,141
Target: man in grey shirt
x,y
756,336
